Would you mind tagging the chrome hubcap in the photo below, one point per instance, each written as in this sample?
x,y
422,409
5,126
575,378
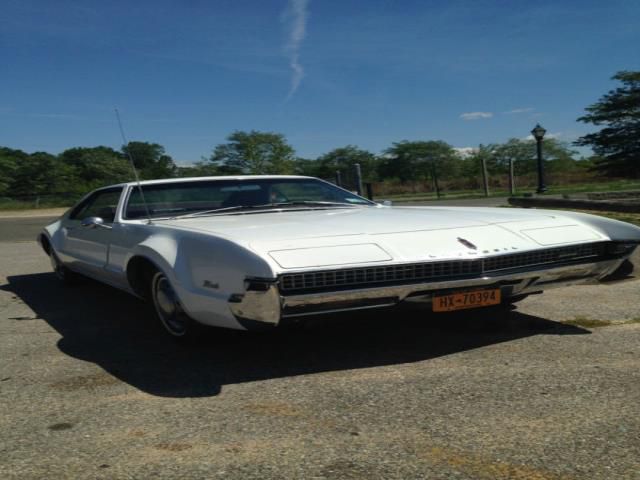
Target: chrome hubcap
x,y
167,306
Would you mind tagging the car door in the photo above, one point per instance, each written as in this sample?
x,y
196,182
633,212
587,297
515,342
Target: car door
x,y
87,248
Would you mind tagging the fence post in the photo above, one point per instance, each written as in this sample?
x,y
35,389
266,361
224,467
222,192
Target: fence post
x,y
369,187
358,173
485,176
512,182
338,178
434,173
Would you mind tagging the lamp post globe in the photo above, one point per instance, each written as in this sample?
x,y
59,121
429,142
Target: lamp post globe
x,y
538,133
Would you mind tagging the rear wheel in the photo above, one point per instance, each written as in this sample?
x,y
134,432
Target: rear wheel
x,y
169,310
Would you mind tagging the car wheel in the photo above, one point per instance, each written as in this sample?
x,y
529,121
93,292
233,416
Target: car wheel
x,y
169,310
66,276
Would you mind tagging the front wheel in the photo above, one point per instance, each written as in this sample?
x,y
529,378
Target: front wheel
x,y
169,310
66,276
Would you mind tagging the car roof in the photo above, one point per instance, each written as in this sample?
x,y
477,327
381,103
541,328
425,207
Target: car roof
x,y
200,179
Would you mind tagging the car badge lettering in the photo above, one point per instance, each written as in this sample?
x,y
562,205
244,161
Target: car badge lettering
x,y
467,243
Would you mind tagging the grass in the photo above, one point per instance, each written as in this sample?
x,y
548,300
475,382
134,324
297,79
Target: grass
x,y
16,205
594,323
589,187
613,186
633,218
588,322
51,202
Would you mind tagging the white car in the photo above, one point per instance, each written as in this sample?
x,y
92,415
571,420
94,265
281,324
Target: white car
x,y
253,251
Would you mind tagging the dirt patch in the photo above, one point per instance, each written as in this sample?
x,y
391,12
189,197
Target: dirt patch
x,y
588,322
479,467
102,379
348,469
274,409
173,447
596,323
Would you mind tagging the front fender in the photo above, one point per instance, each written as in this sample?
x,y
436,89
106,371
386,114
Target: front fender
x,y
205,271
614,229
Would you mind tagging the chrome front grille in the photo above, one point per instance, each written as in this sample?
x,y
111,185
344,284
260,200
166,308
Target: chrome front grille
x,y
341,279
373,275
539,257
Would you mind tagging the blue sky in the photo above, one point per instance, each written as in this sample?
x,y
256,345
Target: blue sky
x,y
326,73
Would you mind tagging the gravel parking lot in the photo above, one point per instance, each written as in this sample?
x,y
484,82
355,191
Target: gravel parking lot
x,y
89,388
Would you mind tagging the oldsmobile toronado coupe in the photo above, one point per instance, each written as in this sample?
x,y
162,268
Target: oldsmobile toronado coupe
x,y
256,251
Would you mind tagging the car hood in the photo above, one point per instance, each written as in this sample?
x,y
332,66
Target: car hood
x,y
369,235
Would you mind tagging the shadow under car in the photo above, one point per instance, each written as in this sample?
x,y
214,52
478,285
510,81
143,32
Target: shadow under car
x,y
114,330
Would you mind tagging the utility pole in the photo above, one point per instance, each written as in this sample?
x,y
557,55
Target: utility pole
x,y
434,174
358,178
485,176
512,180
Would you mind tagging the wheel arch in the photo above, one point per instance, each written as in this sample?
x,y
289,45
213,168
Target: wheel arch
x,y
45,243
139,271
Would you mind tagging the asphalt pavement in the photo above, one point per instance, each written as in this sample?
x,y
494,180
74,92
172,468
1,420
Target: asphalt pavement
x,y
90,388
21,229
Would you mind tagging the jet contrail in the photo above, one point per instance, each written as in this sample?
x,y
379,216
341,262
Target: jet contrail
x,y
295,16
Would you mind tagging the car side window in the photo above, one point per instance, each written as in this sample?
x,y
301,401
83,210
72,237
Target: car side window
x,y
100,204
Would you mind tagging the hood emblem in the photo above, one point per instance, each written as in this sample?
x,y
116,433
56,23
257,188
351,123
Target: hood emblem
x,y
467,243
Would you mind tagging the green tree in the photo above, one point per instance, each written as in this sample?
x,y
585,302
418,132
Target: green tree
x,y
41,173
150,159
309,167
419,160
9,161
255,153
95,167
618,143
344,159
557,156
199,169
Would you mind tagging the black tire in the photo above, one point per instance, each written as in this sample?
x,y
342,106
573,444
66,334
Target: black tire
x,y
169,311
63,274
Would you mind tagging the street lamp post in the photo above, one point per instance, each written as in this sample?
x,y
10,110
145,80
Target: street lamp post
x,y
538,133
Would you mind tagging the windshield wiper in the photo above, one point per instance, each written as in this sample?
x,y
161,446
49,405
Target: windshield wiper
x,y
218,210
314,202
276,205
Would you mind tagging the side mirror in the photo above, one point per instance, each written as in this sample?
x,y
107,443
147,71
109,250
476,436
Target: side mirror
x,y
93,222
386,203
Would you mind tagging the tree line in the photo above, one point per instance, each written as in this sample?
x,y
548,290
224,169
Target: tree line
x,y
79,169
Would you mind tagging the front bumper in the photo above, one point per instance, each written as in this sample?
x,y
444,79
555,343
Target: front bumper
x,y
263,305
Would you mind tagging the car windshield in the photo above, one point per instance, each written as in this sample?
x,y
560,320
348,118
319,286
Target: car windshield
x,y
175,199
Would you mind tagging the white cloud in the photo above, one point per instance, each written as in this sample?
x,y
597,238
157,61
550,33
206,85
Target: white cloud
x,y
519,110
465,152
295,17
475,115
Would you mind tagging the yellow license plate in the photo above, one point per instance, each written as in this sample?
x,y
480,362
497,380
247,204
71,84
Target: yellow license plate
x,y
460,301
